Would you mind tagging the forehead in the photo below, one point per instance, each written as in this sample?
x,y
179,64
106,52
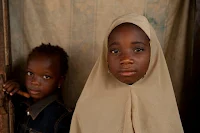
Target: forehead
x,y
44,61
128,28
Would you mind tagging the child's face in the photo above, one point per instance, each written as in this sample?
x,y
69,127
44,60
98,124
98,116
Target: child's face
x,y
43,76
128,53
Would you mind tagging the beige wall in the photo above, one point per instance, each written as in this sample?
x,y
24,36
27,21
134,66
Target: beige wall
x,y
79,27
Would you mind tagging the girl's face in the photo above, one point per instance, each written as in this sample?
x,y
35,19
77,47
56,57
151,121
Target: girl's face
x,y
42,76
128,53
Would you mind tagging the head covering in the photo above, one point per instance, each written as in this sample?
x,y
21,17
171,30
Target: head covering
x,y
107,105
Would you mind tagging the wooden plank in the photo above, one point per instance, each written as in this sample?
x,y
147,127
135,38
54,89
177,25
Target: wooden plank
x,y
2,57
4,37
6,108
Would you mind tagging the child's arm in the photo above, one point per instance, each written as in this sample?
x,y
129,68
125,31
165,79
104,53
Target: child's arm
x,y
11,87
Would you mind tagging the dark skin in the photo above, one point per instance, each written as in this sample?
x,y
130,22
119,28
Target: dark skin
x,y
128,53
42,78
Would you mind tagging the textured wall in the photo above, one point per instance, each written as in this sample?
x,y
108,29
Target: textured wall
x,y
79,27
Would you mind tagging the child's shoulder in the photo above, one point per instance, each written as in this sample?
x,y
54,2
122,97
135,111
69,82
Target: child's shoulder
x,y
59,115
57,107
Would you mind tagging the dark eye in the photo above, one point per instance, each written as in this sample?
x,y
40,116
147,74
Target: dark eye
x,y
138,49
46,77
115,51
29,73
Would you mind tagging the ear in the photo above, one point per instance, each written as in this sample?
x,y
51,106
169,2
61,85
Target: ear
x,y
61,81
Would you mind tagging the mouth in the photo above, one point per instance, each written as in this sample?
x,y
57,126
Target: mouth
x,y
33,91
127,73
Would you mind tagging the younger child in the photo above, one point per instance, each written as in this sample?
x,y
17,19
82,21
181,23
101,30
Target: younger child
x,y
129,89
44,111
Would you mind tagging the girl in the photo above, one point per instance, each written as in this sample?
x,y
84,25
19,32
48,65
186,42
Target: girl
x,y
129,89
44,111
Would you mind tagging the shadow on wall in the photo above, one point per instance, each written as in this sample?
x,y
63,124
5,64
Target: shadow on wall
x,y
190,93
18,71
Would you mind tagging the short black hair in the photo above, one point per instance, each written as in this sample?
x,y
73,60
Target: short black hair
x,y
52,50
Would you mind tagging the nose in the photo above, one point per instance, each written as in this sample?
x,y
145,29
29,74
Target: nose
x,y
126,58
35,80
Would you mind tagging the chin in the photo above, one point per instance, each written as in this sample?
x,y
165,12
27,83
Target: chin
x,y
128,82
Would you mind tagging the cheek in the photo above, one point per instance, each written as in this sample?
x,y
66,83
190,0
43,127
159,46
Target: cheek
x,y
49,84
112,64
145,64
27,81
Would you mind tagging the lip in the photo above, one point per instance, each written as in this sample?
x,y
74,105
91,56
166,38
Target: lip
x,y
34,91
127,73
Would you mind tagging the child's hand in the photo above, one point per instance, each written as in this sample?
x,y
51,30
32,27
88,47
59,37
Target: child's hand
x,y
11,87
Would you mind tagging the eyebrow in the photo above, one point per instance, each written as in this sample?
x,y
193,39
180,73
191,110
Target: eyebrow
x,y
138,42
28,69
45,71
113,43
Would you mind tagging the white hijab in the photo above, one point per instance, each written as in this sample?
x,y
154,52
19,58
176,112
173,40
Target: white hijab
x,y
107,105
